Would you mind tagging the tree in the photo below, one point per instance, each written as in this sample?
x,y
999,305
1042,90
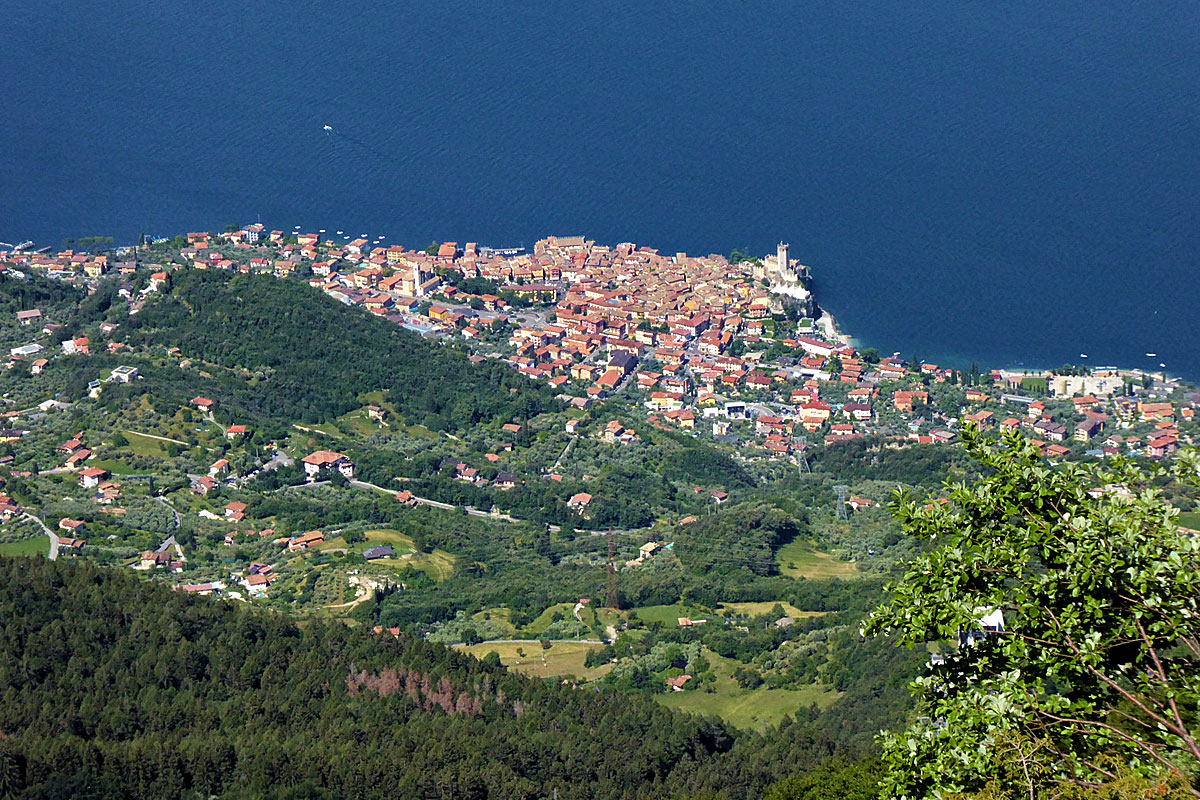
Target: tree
x,y
1095,668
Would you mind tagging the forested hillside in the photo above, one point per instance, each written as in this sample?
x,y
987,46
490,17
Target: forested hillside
x,y
113,687
307,357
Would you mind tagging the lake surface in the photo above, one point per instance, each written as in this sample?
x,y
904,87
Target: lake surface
x,y
1009,182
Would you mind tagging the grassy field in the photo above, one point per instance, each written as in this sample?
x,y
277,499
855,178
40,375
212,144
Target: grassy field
x,y
1190,519
544,619
799,559
141,445
34,546
744,708
356,422
497,616
669,615
758,609
115,467
438,565
562,659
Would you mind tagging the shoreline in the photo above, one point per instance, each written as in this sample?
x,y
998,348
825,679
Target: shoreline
x,y
825,324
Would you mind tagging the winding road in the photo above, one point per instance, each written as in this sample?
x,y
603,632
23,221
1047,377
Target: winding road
x,y
53,554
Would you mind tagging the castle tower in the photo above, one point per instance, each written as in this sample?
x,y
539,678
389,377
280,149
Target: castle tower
x,y
781,256
418,291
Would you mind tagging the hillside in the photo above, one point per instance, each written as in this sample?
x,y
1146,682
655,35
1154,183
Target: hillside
x,y
305,356
118,688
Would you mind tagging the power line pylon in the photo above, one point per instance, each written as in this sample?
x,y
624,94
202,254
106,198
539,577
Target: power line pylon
x,y
841,502
612,600
802,455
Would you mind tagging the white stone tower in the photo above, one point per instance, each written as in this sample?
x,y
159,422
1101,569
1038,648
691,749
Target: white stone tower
x,y
781,257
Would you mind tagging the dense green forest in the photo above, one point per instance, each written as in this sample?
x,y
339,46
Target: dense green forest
x,y
113,687
307,357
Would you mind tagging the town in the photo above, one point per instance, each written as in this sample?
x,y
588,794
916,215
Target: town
x,y
675,420
720,349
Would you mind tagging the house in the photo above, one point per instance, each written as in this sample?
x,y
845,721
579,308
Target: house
x,y
314,463
235,510
982,419
857,503
677,683
256,584
905,401
91,477
310,539
383,551
579,502
204,485
218,468
1089,429
623,362
72,525
152,560
200,588
8,507
718,496
69,546
505,481
77,346
649,549
37,366
859,412
1051,430
123,374
406,498
613,431
203,403
234,431
29,317
78,457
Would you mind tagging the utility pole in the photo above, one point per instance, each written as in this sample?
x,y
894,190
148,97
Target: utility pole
x,y
612,600
841,502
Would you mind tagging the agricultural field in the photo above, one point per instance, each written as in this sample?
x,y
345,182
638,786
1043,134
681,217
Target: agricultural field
x,y
561,659
758,609
744,708
33,546
800,559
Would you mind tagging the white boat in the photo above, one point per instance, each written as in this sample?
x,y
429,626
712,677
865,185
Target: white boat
x,y
1161,364
321,231
1151,355
1083,355
328,127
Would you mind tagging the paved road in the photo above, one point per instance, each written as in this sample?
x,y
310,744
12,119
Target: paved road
x,y
53,554
175,511
474,512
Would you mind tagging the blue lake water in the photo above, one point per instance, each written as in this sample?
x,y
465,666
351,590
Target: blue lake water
x,y
1009,182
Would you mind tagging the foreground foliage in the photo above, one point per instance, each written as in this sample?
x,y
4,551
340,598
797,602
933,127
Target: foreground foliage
x,y
1098,662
